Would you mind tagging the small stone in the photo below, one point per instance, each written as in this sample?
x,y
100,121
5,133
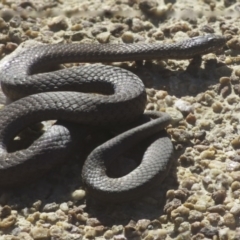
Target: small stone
x,y
10,46
5,211
78,36
224,80
217,208
195,227
131,231
55,231
235,175
162,10
183,106
127,37
90,234
51,207
235,186
188,183
7,14
117,229
237,72
7,222
52,217
213,218
235,210
158,35
64,207
103,37
160,234
118,29
195,216
39,233
108,234
229,220
147,5
198,236
209,231
170,206
142,224
78,195
161,94
181,135
152,107
77,27
236,142
191,118
208,154
93,222
180,212
58,23
31,33
3,24
169,100
99,29
175,115
217,107
15,21
223,233
234,43
219,196
225,91
137,25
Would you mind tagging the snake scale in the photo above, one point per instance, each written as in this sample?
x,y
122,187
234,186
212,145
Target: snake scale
x,y
93,95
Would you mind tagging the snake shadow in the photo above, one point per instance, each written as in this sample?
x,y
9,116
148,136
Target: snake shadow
x,y
181,80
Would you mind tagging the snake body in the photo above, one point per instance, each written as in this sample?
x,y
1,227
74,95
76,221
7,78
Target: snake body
x,y
67,94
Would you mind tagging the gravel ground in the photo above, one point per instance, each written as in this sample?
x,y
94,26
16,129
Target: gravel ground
x,y
200,198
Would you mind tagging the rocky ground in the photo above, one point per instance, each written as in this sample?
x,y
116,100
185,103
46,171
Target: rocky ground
x,y
200,198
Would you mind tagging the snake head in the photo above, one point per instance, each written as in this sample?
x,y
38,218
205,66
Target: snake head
x,y
209,43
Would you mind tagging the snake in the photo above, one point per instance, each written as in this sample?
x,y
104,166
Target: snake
x,y
91,95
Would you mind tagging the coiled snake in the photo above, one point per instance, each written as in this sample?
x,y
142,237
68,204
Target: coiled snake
x,y
67,94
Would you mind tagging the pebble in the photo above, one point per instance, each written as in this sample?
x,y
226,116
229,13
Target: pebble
x,y
39,233
58,23
108,234
160,234
213,218
137,25
158,35
235,186
219,196
195,215
236,142
209,231
103,37
147,5
7,14
195,227
229,220
175,115
118,29
55,231
78,195
127,37
7,222
224,80
217,107
183,106
235,210
64,207
50,207
5,211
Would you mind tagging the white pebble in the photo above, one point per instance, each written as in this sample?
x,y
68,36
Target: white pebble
x,y
78,194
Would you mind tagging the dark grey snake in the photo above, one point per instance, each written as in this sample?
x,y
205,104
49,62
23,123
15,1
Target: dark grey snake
x,y
67,94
